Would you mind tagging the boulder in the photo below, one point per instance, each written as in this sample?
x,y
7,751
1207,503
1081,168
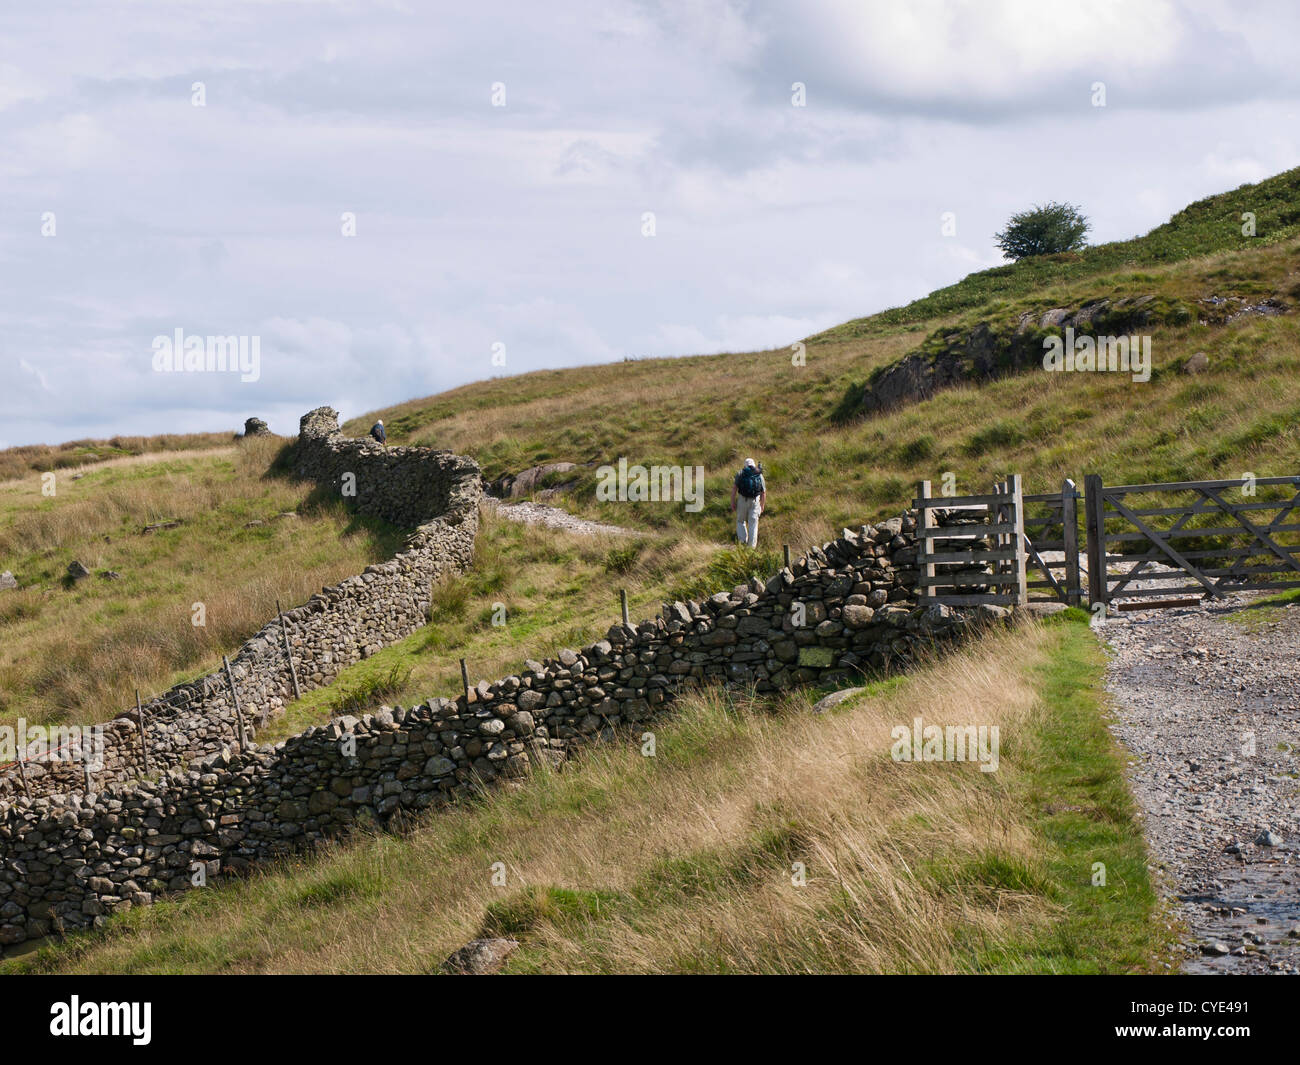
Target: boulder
x,y
827,702
480,957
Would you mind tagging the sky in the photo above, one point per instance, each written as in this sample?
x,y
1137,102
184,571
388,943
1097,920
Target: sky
x,y
387,200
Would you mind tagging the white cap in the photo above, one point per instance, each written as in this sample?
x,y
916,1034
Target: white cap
x,y
749,462
381,421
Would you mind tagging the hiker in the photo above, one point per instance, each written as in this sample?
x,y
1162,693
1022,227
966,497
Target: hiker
x,y
752,490
377,431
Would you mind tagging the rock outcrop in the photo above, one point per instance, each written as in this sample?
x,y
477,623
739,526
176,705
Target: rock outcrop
x,y
987,352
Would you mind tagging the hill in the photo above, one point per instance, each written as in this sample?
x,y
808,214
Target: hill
x,y
1196,274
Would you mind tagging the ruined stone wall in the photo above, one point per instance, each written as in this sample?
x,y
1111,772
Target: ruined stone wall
x,y
434,491
845,608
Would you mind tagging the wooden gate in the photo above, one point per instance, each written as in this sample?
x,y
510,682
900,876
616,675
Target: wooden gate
x,y
1211,543
971,549
1052,529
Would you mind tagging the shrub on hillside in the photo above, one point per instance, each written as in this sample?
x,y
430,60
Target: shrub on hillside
x,y
1050,229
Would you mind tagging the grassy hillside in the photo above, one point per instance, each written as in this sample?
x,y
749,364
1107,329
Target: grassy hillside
x,y
683,862
18,462
1206,227
74,652
712,411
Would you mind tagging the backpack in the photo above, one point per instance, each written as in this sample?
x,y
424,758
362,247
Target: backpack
x,y
749,482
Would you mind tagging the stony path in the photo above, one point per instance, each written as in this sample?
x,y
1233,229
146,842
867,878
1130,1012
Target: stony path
x,y
553,518
1211,710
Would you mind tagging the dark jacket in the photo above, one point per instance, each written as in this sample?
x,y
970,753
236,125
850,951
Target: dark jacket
x,y
377,431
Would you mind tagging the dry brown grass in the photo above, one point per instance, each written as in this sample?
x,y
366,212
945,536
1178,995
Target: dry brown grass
x,y
681,862
76,652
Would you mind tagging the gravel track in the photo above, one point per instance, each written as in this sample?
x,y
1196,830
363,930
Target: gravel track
x,y
553,518
1210,708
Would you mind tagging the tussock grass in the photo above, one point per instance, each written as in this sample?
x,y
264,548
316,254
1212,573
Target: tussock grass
x,y
683,862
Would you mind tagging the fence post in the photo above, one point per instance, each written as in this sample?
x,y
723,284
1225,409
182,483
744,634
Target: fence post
x,y
1094,518
925,590
785,554
22,773
1070,524
293,669
464,680
234,694
1016,492
622,602
144,747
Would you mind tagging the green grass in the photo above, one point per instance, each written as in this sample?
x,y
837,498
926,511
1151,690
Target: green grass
x,y
1262,613
1085,815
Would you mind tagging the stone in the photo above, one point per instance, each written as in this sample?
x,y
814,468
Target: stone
x,y
256,427
828,702
529,699
816,657
1198,363
77,571
1268,838
858,617
7,581
480,957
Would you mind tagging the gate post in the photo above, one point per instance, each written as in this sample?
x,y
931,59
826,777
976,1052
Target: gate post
x,y
1013,485
923,543
1070,522
1094,518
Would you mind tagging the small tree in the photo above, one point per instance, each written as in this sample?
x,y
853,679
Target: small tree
x,y
1043,230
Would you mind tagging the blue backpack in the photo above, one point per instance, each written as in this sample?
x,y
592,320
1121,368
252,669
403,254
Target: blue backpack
x,y
749,482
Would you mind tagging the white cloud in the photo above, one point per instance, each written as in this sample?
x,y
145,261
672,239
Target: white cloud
x,y
521,225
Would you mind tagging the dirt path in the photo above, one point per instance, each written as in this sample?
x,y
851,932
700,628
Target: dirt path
x,y
1210,707
553,518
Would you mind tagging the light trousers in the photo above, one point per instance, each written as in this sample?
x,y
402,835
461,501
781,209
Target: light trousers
x,y
747,512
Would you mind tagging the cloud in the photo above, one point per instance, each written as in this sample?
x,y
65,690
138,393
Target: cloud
x,y
521,225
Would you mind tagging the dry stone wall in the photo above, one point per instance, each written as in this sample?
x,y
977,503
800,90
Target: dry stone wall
x,y
434,491
69,861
